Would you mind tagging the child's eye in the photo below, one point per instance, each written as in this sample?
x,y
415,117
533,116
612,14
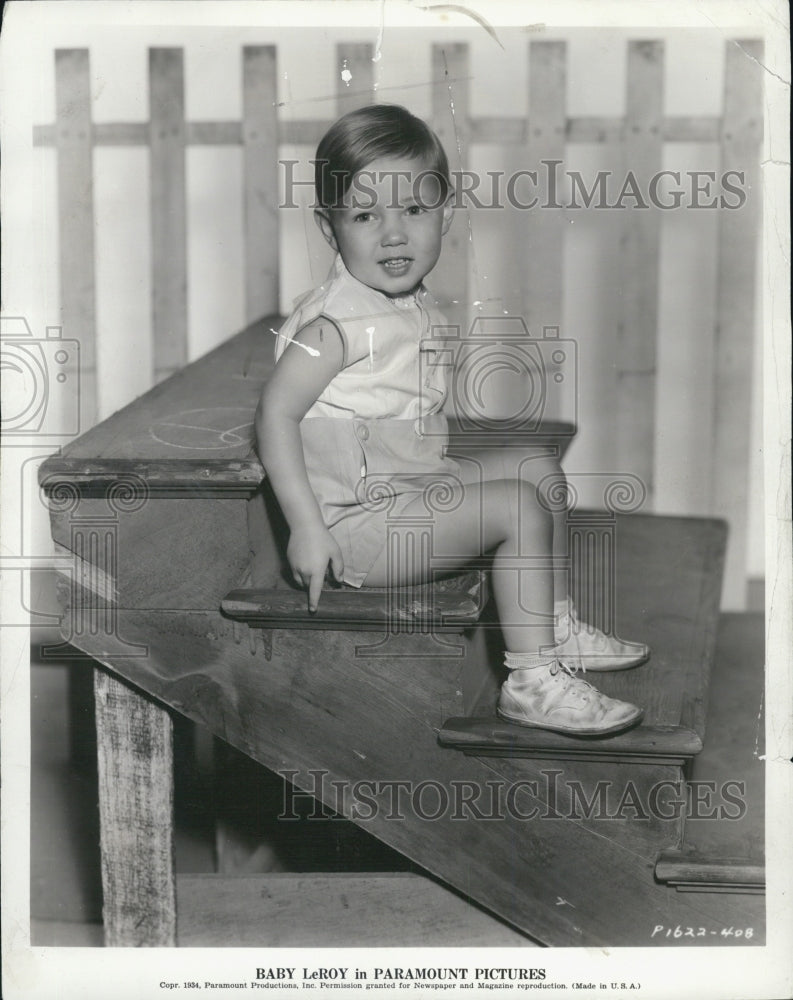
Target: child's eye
x,y
415,210
363,217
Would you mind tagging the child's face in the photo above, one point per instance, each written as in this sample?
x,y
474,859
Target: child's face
x,y
390,229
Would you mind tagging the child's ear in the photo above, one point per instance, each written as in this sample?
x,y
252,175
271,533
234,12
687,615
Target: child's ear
x,y
322,219
448,214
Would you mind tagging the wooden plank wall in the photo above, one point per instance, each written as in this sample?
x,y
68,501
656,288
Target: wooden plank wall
x,y
544,134
73,140
168,210
741,138
451,121
260,179
639,262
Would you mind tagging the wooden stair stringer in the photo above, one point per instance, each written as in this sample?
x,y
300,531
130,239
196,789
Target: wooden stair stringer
x,y
357,718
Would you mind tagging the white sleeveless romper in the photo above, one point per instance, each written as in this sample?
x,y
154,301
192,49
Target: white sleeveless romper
x,y
375,439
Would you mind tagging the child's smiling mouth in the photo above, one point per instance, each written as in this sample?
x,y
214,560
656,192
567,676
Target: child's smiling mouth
x,y
397,266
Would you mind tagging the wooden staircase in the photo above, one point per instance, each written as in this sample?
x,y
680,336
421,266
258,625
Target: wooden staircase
x,y
558,838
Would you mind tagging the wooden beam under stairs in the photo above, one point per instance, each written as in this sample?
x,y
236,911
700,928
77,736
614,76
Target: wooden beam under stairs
x,y
356,910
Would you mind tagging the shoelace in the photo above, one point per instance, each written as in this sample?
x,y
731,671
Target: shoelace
x,y
570,670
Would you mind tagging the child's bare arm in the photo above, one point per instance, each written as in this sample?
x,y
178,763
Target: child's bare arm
x,y
305,368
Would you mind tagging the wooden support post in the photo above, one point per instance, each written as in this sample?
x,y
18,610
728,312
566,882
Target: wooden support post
x,y
260,152
135,757
639,263
74,140
168,211
451,122
735,308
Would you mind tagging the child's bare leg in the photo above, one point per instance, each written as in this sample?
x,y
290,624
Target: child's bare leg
x,y
504,517
540,468
577,642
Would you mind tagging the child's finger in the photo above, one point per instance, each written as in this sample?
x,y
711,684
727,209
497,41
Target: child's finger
x,y
314,590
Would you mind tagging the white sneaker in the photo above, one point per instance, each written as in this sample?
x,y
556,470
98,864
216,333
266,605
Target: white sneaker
x,y
552,697
587,648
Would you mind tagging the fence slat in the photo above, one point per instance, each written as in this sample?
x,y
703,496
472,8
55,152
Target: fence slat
x,y
639,263
168,210
354,76
450,120
544,235
260,143
76,219
735,308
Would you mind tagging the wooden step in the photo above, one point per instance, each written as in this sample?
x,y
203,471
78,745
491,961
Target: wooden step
x,y
454,604
286,910
728,854
687,870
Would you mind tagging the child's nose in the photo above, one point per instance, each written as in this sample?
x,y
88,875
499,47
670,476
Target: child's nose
x,y
394,233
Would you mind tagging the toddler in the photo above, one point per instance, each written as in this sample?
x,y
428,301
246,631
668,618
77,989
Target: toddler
x,y
353,409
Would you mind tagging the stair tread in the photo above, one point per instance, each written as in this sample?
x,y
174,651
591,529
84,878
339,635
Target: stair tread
x,y
481,733
734,748
457,601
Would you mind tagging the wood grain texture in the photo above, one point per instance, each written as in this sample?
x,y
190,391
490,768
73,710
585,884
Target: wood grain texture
x,y
207,537
356,910
359,709
443,605
734,750
168,210
736,301
74,143
204,413
354,717
690,868
645,743
497,130
135,755
639,263
260,179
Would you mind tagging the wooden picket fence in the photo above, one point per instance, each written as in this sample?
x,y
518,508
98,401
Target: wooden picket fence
x,y
546,131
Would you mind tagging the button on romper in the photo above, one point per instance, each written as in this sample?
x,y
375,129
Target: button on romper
x,y
375,439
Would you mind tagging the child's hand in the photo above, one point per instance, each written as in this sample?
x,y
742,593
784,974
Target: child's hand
x,y
309,551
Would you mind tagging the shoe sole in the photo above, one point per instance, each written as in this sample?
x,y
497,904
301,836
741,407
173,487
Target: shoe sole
x,y
619,728
604,670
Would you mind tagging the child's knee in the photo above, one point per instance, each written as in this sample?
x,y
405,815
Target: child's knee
x,y
515,504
